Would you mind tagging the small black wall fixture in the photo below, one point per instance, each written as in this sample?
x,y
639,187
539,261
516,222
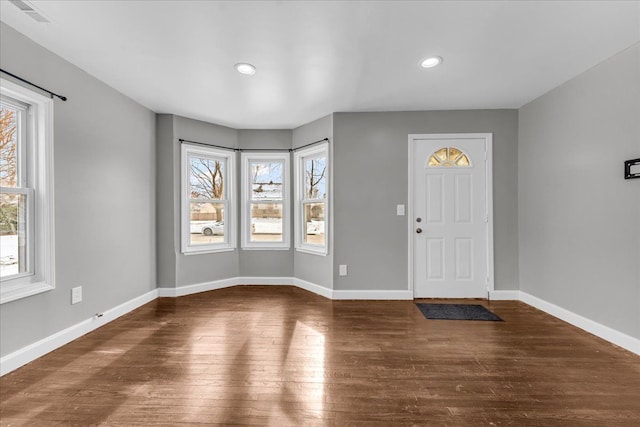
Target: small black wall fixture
x,y
51,94
627,169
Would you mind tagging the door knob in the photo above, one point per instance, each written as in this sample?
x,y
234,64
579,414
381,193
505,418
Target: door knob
x,y
418,230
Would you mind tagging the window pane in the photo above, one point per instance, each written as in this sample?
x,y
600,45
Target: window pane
x,y
314,223
266,180
315,179
13,235
266,222
462,161
442,155
449,156
8,147
206,178
454,153
206,223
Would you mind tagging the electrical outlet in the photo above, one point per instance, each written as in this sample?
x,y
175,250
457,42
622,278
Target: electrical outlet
x,y
400,210
76,295
343,269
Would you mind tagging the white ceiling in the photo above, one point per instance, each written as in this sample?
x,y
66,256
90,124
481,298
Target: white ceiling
x,y
315,58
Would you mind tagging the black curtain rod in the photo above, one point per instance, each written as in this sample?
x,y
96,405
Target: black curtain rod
x,y
253,149
207,145
52,94
311,143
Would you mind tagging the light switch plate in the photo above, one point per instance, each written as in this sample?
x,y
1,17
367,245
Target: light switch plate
x,y
343,270
400,210
76,295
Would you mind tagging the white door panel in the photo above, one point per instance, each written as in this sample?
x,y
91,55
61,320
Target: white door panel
x,y
435,195
450,206
435,259
463,199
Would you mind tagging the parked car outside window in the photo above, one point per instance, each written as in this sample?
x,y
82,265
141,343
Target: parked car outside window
x,y
207,228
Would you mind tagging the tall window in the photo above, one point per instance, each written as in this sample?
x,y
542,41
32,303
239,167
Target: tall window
x,y
312,199
265,201
207,200
26,192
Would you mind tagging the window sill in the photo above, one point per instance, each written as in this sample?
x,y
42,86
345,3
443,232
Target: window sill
x,y
207,251
266,248
10,293
320,252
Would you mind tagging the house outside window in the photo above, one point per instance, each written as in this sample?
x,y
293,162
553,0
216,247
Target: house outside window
x,y
265,201
208,197
312,199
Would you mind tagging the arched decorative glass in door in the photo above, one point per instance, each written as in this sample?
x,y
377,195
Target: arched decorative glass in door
x,y
447,157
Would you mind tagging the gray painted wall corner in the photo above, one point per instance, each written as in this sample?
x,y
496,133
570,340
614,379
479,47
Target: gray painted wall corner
x,y
312,268
105,197
364,200
265,263
200,268
165,214
578,218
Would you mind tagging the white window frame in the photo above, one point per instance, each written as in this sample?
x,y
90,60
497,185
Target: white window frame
x,y
300,156
247,159
37,184
229,244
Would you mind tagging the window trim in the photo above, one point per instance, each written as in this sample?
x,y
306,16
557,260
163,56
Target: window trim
x,y
229,201
40,207
246,203
300,156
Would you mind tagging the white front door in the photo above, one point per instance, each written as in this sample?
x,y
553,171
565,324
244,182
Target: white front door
x,y
450,212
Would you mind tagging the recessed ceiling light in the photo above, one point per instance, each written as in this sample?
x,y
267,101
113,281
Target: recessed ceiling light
x,y
244,68
431,62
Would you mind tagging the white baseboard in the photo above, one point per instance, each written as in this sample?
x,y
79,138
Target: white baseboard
x,y
286,281
265,281
38,349
372,295
504,295
33,351
312,287
181,291
244,280
606,333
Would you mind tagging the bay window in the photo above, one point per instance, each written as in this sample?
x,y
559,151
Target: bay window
x,y
265,201
208,223
312,199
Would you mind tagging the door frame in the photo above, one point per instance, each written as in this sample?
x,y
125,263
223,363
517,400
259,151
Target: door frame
x,y
488,138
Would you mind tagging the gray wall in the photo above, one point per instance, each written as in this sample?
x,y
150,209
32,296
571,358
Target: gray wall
x,y
579,219
176,269
200,268
104,166
265,263
317,269
166,217
363,141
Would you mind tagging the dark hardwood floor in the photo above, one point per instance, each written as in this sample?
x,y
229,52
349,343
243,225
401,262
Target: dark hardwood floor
x,y
281,356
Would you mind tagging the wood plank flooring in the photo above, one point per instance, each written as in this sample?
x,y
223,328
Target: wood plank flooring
x,y
281,356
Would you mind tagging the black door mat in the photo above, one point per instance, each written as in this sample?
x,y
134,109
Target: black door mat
x,y
456,312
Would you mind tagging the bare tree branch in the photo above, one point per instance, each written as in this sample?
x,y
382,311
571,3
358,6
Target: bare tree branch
x,y
8,149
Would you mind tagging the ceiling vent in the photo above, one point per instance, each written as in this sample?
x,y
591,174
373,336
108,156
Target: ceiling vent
x,y
30,10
